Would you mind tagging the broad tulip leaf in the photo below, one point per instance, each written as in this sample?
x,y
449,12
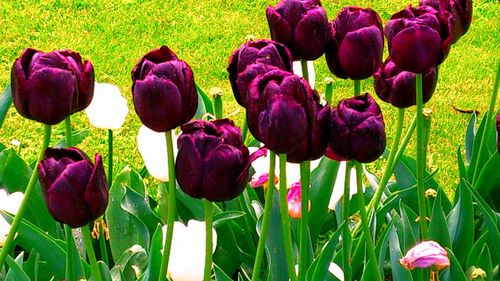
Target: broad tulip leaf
x,y
5,102
16,272
193,208
31,265
77,136
460,221
477,163
489,178
222,218
398,272
104,269
484,262
51,250
132,263
438,228
477,248
220,275
322,181
14,176
206,100
319,268
469,138
125,229
136,205
454,272
200,110
155,255
410,229
382,244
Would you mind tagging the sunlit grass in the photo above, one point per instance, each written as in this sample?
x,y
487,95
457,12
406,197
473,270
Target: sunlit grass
x,y
115,34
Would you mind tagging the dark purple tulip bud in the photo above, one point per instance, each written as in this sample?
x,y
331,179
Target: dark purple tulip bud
x,y
48,87
262,52
397,87
461,14
356,130
164,92
279,110
356,43
313,147
212,161
418,38
301,25
75,190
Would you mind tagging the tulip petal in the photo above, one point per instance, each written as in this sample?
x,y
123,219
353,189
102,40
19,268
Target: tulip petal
x,y
96,193
108,108
309,36
189,167
279,27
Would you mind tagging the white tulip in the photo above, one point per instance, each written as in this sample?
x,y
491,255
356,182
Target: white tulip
x,y
153,148
338,188
108,108
297,70
187,255
8,203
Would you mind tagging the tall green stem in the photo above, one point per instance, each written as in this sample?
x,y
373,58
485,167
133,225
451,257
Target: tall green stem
x,y
305,174
364,221
420,159
404,143
208,245
357,88
328,89
102,243
110,157
171,207
268,204
94,268
27,196
285,220
70,269
244,130
67,126
346,235
305,72
490,117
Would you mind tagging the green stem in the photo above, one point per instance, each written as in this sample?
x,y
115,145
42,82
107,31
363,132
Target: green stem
x,y
244,130
364,221
94,268
217,104
328,89
357,88
102,244
305,71
67,126
70,241
208,245
110,157
305,174
490,117
268,204
404,143
346,245
27,196
171,207
285,220
420,159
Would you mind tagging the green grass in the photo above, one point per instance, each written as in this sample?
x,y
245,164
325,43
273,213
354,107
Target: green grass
x,y
115,34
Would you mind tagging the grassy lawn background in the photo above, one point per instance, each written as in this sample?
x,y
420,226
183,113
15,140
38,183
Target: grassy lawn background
x,y
115,34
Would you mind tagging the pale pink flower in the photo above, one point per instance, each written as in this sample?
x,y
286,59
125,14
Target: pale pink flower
x,y
426,254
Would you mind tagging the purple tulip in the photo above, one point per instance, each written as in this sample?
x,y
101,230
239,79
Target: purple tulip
x,y
418,38
163,90
75,190
397,87
264,53
212,161
280,110
461,14
48,87
356,43
356,130
424,255
314,145
301,25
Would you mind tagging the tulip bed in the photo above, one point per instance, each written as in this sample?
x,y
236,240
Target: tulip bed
x,y
288,195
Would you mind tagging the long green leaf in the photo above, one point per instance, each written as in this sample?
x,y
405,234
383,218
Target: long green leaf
x,y
484,262
489,177
5,102
132,263
398,272
454,272
469,138
438,228
220,275
154,262
16,272
319,268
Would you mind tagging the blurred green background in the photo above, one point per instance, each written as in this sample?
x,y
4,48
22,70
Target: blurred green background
x,y
115,34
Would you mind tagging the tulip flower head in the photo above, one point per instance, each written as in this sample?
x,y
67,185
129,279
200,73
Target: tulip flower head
x,y
48,87
74,188
153,149
356,130
212,162
108,108
266,54
187,255
10,204
356,43
424,255
418,39
273,101
163,89
460,11
294,199
397,86
301,25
